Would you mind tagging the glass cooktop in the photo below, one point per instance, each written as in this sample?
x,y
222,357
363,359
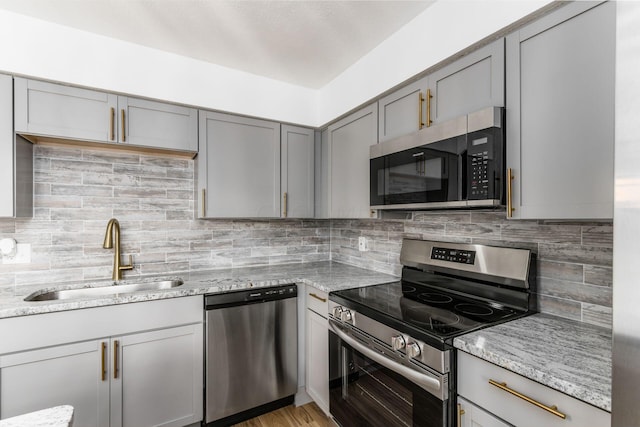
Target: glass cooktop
x,y
431,310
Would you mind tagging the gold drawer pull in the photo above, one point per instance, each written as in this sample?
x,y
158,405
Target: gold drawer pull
x,y
461,412
553,409
122,126
318,297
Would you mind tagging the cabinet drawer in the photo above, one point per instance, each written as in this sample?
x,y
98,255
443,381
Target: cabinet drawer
x,y
473,384
317,301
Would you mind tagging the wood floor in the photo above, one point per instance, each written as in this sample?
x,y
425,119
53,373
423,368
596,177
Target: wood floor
x,y
308,415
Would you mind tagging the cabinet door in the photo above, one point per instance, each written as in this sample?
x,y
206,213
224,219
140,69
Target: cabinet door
x,y
469,415
560,114
64,112
297,174
157,378
62,375
7,189
318,360
238,167
471,83
157,125
349,142
403,111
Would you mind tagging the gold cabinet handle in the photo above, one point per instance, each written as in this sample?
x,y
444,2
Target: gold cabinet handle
x,y
103,370
510,207
116,345
112,118
552,409
460,414
284,204
318,297
203,205
122,126
429,96
420,102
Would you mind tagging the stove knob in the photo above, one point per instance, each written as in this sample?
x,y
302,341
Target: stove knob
x,y
413,349
336,312
397,342
346,316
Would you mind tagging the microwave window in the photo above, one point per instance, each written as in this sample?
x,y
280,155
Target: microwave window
x,y
422,175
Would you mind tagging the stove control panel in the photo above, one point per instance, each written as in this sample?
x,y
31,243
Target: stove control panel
x,y
453,255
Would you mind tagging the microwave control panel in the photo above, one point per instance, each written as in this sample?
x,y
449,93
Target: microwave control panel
x,y
483,162
480,157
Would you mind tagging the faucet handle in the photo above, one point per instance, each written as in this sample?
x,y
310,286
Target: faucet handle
x,y
130,266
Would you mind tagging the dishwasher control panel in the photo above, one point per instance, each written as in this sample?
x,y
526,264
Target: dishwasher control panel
x,y
227,299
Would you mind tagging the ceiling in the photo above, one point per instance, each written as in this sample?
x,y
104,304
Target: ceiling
x,y
303,42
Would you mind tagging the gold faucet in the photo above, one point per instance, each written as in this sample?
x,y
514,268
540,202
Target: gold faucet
x,y
113,227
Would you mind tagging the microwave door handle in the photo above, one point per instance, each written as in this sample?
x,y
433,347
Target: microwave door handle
x,y
426,382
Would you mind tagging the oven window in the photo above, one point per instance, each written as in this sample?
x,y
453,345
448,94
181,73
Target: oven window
x,y
364,393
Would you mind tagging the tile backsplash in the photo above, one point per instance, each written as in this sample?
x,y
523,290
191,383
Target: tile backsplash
x,y
574,274
77,190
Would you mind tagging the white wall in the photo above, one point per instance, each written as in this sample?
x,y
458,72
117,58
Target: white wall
x,y
41,49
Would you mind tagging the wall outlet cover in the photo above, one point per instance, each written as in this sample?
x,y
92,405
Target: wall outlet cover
x,y
22,256
363,244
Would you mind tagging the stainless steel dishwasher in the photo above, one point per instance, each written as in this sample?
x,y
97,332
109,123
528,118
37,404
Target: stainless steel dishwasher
x,y
251,359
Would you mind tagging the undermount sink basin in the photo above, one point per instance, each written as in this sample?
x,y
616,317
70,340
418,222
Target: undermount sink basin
x,y
103,290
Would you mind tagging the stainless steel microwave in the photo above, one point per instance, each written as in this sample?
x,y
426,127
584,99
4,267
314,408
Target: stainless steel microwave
x,y
454,164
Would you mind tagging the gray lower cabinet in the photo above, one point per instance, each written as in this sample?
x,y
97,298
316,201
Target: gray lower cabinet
x,y
238,167
62,375
16,160
48,110
469,84
128,365
348,155
297,172
560,114
469,415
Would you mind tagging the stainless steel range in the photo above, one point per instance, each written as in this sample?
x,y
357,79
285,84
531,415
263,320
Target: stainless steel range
x,y
391,356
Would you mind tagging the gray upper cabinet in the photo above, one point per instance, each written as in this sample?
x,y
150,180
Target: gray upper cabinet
x,y
16,160
560,114
238,167
47,110
468,84
297,172
471,83
348,144
403,111
157,124
64,112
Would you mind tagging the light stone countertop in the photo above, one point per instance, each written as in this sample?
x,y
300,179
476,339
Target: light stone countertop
x,y
59,416
568,356
326,275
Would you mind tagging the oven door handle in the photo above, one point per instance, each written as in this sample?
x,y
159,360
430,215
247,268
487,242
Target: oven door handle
x,y
432,385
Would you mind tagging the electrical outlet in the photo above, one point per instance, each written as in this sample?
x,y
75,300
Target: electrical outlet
x,y
363,244
22,256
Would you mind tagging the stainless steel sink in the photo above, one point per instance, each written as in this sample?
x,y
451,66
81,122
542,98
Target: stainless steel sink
x,y
103,290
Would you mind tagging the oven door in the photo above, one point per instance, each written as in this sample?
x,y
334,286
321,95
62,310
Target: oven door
x,y
369,388
431,173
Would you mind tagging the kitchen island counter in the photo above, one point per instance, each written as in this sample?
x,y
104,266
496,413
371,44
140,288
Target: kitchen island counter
x,y
568,356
